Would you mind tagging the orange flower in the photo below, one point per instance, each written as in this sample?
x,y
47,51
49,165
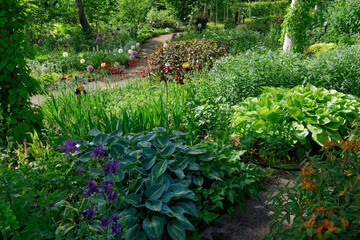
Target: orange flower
x,y
185,65
349,145
320,209
309,184
306,172
344,222
330,144
318,231
342,193
331,228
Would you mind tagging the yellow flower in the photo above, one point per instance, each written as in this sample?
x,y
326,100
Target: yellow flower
x,y
80,89
185,65
103,65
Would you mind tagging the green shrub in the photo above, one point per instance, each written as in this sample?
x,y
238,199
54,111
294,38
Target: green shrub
x,y
165,23
204,51
344,16
319,47
199,21
324,201
267,8
143,37
238,77
300,115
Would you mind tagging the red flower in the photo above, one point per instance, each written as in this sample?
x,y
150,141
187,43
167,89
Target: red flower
x,y
96,73
69,76
113,72
143,75
138,89
187,78
63,78
137,60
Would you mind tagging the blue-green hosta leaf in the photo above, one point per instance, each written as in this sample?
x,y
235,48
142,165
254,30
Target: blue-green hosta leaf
x,y
116,151
116,133
154,228
133,199
165,209
64,229
134,233
130,218
148,163
154,205
137,153
168,150
159,129
166,197
178,133
195,150
194,166
198,180
161,142
140,170
129,159
148,137
100,139
164,179
154,191
95,226
159,169
214,175
179,189
176,230
179,174
144,144
180,163
135,187
148,152
207,157
93,132
189,208
120,175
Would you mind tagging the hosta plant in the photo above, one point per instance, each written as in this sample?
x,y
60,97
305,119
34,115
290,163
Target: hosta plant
x,y
325,198
140,186
302,115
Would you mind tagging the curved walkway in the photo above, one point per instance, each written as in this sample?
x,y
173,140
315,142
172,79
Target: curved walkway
x,y
147,48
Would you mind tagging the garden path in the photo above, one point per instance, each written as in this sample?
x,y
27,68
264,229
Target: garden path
x,y
249,225
146,50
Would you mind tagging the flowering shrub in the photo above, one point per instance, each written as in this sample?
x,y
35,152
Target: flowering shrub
x,y
138,186
319,47
188,52
325,200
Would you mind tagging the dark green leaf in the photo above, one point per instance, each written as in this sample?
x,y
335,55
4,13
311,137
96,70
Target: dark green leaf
x,y
155,191
176,230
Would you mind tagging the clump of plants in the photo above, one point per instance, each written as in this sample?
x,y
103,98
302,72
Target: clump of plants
x,y
319,47
325,199
199,21
295,118
138,186
164,23
186,55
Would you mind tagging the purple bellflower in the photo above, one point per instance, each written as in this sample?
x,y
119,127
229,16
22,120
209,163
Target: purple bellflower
x,y
92,188
70,146
99,151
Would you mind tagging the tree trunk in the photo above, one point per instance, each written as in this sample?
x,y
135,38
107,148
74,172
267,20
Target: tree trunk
x,y
205,8
84,23
227,10
216,21
288,43
224,19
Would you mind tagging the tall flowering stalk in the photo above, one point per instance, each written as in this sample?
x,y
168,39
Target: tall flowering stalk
x,y
78,92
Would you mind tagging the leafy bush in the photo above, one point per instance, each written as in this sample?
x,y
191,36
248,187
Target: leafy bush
x,y
344,16
155,14
261,9
324,199
238,77
164,23
306,114
199,21
319,47
203,51
146,181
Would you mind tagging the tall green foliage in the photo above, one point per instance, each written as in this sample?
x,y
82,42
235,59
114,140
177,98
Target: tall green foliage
x,y
344,16
16,86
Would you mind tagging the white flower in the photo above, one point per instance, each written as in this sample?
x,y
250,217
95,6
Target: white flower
x,y
138,44
167,30
120,50
68,36
130,51
166,45
133,47
199,25
82,60
65,54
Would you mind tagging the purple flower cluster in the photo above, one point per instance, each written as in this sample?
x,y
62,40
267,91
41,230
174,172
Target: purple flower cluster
x,y
112,196
112,34
90,213
70,146
115,228
97,41
92,188
128,29
133,54
89,68
99,151
173,36
99,35
80,171
111,167
40,41
104,38
117,29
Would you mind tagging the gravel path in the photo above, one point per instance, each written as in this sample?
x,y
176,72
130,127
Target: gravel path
x,y
147,48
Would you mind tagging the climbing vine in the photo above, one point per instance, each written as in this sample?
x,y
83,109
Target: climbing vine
x,y
296,22
17,117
